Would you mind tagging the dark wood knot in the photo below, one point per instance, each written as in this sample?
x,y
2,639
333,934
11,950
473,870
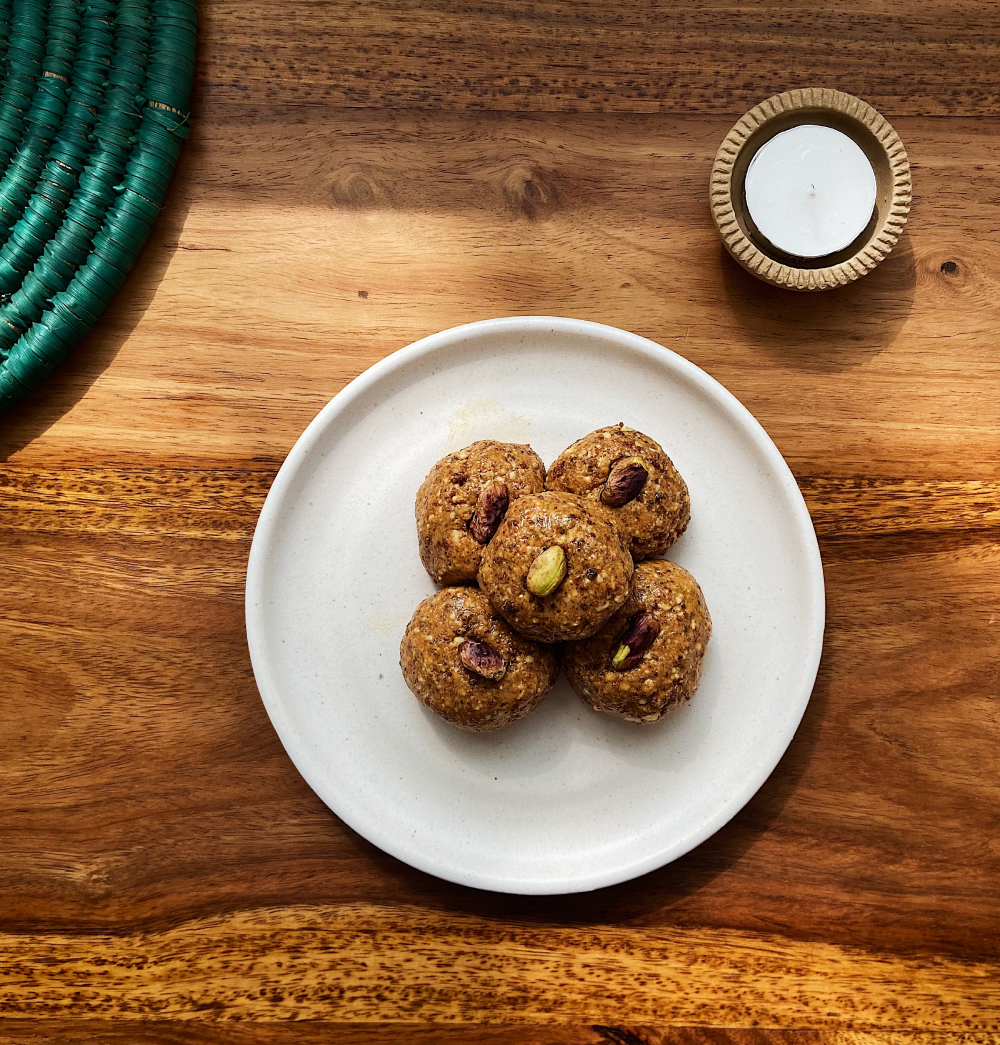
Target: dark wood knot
x,y
359,189
530,191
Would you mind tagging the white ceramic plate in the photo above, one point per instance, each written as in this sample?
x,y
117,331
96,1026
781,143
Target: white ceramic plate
x,y
566,799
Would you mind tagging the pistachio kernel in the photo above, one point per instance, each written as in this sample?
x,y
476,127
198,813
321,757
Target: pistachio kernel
x,y
547,571
491,507
482,659
638,636
626,481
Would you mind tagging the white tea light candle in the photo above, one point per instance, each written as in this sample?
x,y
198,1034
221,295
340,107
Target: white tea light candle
x,y
759,127
810,190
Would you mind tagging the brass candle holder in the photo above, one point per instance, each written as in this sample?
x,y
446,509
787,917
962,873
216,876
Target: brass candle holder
x,y
880,144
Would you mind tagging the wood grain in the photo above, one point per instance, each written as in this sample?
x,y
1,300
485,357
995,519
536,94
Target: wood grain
x,y
360,176
314,1032
141,782
916,57
443,219
223,504
343,963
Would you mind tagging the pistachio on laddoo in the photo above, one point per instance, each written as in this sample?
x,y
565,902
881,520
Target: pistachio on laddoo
x,y
462,501
556,568
647,659
462,660
634,479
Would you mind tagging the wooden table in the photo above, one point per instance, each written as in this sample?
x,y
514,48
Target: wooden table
x,y
361,175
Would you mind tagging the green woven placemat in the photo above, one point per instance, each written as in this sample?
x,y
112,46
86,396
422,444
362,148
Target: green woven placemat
x,y
93,112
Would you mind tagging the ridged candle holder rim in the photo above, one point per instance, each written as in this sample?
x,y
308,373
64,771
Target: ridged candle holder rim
x,y
771,270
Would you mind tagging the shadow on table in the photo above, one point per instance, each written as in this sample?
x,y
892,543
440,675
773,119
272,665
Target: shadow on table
x,y
659,890
826,331
59,393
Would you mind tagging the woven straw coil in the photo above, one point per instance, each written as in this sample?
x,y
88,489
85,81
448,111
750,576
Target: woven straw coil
x,y
93,112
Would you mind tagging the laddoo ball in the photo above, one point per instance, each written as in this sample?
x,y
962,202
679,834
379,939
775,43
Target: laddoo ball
x,y
557,567
462,660
464,499
630,475
647,659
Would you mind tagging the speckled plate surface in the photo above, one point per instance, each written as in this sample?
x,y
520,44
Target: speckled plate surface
x,y
567,799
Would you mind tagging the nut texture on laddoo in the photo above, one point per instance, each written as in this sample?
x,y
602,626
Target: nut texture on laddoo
x,y
647,659
464,499
634,479
557,567
462,660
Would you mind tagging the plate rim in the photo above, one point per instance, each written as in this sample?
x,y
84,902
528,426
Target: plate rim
x,y
341,401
